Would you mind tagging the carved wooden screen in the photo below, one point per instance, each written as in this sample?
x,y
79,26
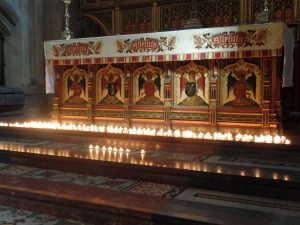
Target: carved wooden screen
x,y
95,23
282,10
174,16
137,20
219,13
212,14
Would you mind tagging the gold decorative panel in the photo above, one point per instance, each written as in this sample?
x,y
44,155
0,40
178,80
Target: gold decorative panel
x,y
241,84
191,85
110,86
148,85
75,86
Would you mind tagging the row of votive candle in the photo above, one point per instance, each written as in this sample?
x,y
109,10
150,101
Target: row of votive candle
x,y
151,132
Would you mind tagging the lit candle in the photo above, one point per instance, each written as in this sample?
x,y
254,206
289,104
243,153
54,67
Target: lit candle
x,y
242,173
208,136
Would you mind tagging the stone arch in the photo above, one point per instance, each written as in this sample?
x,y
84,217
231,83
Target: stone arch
x,y
90,26
9,17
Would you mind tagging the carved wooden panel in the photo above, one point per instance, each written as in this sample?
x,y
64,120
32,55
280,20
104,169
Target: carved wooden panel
x,y
211,13
219,13
174,16
95,24
92,4
282,10
137,20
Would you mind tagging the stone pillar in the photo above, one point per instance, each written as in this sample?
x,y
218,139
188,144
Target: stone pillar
x,y
24,51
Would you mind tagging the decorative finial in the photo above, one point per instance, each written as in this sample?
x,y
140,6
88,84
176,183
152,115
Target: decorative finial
x,y
67,34
266,9
194,21
264,16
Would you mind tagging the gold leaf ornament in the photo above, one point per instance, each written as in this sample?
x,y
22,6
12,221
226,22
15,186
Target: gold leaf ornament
x,y
56,50
120,45
172,41
98,47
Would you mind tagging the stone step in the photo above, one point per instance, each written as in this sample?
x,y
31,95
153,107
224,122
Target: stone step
x,y
210,183
97,205
211,172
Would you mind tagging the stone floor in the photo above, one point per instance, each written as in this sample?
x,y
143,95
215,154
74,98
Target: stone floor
x,y
155,199
194,200
14,216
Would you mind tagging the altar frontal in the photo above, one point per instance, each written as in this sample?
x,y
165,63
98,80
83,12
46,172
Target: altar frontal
x,y
214,79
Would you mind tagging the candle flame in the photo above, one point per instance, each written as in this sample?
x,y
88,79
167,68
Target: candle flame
x,y
149,132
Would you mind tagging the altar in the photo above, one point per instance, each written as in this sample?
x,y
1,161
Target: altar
x,y
224,79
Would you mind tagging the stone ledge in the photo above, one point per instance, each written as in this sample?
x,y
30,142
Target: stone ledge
x,y
11,99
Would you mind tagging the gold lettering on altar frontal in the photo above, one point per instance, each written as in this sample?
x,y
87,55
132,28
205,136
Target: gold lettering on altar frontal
x,y
146,45
232,39
77,49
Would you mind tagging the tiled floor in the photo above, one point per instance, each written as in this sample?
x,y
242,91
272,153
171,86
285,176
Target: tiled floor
x,y
134,186
13,216
186,194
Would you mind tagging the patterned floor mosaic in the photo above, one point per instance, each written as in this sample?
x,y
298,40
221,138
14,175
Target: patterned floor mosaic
x,y
145,188
254,162
12,216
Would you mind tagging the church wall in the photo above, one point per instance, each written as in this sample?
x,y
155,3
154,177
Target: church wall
x,y
39,20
